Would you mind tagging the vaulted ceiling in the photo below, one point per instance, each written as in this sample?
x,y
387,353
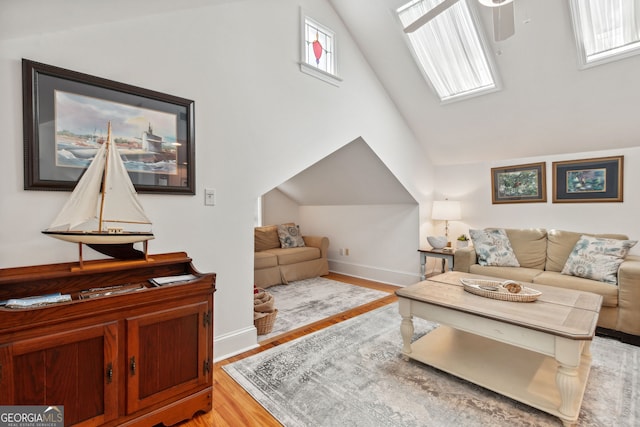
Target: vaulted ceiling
x,y
547,105
352,175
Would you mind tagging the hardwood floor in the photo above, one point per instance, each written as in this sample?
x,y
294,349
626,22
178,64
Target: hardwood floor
x,y
233,407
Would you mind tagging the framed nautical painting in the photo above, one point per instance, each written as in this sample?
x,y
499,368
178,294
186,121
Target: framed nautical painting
x,y
519,184
65,116
588,180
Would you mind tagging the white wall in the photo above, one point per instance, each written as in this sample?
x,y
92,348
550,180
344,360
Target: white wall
x,y
259,121
471,184
382,239
278,208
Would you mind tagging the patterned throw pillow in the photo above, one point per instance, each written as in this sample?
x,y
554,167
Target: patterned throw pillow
x,y
290,237
493,247
597,258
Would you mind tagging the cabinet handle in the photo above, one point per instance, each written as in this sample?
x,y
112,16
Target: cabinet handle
x,y
132,365
109,373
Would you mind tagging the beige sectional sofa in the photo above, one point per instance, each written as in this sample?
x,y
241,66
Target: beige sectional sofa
x,y
274,265
542,255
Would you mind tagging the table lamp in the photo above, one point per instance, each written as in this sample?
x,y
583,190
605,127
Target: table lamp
x,y
446,210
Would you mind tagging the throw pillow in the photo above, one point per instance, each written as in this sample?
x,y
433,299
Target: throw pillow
x,y
492,247
290,237
597,258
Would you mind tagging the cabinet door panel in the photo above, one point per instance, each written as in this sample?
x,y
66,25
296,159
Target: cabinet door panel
x,y
167,352
68,369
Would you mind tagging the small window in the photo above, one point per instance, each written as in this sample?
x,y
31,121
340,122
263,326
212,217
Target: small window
x,y
605,30
450,50
318,51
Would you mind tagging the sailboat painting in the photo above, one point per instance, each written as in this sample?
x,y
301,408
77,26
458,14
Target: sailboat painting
x,y
103,210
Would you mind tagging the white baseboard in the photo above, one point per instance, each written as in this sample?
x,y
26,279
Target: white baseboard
x,y
398,278
236,342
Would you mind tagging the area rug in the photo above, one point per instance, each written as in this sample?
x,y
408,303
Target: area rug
x,y
352,374
303,302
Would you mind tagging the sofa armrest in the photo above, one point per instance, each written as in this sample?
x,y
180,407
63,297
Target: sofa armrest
x,y
629,295
464,258
318,242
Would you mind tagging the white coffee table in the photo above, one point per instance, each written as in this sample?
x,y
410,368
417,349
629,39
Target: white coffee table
x,y
536,353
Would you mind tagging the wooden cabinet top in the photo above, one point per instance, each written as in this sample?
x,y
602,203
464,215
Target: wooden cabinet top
x,y
128,284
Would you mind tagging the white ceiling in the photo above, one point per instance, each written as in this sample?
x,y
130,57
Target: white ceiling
x,y
43,18
352,175
547,105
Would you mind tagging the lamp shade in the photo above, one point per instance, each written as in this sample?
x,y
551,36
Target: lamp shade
x,y
446,210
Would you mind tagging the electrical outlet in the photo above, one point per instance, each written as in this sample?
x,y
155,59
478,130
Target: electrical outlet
x,y
346,252
209,197
341,251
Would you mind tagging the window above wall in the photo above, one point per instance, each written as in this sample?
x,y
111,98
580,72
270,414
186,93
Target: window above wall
x,y
450,50
318,51
605,30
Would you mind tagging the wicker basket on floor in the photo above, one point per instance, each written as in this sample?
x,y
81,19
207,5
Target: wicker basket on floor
x,y
265,323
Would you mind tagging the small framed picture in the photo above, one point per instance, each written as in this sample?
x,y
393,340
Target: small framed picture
x,y
588,180
519,184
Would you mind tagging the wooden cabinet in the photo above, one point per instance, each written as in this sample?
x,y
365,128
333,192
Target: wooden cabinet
x,y
68,368
140,357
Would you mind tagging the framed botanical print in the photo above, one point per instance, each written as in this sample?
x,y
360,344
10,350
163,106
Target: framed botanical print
x,y
588,180
519,184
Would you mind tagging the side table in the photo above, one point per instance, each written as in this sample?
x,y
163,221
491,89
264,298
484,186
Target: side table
x,y
444,255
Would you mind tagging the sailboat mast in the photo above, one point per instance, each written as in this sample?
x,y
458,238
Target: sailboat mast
x,y
104,176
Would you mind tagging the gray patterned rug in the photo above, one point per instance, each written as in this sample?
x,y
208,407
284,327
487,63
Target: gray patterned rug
x,y
352,374
306,301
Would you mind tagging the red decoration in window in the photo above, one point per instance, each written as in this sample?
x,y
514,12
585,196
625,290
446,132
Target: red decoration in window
x,y
317,49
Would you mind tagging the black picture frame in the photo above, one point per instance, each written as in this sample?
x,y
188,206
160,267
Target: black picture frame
x,y
59,106
519,184
588,180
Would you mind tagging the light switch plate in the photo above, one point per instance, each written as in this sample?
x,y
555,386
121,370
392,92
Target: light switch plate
x,y
209,197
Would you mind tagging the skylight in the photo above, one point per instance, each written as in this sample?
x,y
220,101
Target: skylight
x,y
606,30
450,50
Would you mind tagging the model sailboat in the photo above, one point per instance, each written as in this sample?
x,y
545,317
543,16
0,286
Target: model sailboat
x,y
103,211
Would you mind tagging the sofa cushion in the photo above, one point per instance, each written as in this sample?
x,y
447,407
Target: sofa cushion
x,y
266,237
560,244
529,246
493,248
295,255
264,260
290,237
521,274
597,258
609,293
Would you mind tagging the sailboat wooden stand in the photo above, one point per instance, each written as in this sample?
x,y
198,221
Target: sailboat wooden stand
x,y
103,210
118,262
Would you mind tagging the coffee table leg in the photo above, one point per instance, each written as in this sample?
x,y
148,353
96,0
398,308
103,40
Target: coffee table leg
x,y
568,358
406,326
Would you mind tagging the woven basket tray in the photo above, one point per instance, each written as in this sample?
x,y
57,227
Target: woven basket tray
x,y
264,325
494,289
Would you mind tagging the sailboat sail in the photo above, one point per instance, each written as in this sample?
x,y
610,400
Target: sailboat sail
x,y
81,206
104,196
121,203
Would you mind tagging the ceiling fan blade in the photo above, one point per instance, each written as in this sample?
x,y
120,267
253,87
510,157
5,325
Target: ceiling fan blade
x,y
503,22
446,4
